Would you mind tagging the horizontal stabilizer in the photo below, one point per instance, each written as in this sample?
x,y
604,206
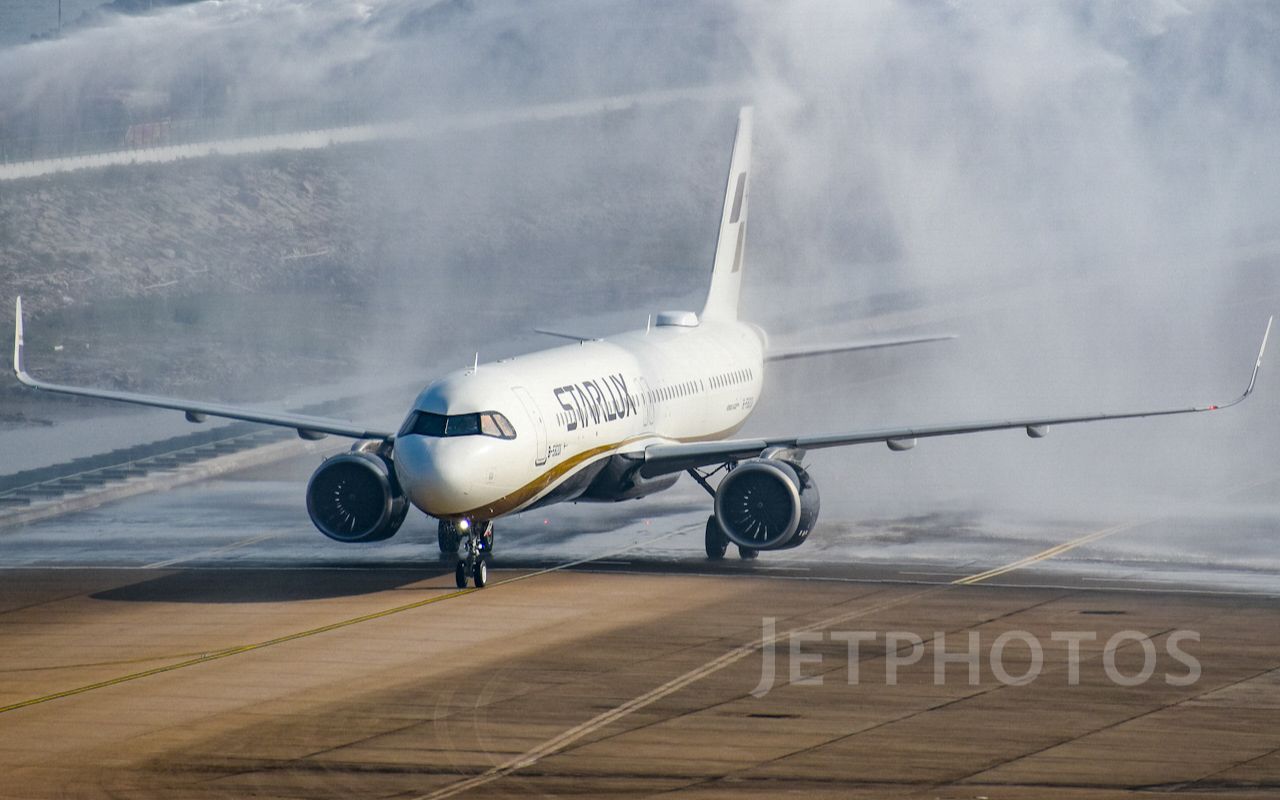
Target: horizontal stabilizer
x,y
785,353
561,335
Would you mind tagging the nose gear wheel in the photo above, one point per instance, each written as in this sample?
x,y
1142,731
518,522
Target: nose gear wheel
x,y
473,548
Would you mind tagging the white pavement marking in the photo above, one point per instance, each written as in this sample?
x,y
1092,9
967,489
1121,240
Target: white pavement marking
x,y
226,548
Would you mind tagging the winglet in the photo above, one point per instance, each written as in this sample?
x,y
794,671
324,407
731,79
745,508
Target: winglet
x,y
1257,365
1262,349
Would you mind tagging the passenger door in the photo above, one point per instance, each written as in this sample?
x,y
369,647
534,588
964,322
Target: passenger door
x,y
539,428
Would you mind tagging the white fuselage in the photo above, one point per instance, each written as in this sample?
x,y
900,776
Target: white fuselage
x,y
573,409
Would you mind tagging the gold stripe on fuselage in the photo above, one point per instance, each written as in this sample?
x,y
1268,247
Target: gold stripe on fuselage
x,y
531,490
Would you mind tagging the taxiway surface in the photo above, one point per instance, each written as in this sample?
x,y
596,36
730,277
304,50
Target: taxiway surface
x,y
207,643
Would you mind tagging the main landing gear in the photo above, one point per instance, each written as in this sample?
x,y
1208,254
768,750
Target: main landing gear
x,y
717,543
472,543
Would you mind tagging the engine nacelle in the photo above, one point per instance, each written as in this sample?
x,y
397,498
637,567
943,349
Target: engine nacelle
x,y
767,504
355,497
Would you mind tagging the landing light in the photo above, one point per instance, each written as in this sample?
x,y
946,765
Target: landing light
x,y
464,525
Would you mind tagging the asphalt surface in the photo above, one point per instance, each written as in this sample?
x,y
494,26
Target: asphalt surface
x,y
207,642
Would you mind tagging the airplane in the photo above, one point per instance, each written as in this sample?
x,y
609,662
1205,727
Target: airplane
x,y
604,420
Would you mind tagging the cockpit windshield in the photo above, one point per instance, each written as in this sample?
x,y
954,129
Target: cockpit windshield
x,y
485,423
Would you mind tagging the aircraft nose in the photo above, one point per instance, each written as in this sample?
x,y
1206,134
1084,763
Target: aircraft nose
x,y
433,476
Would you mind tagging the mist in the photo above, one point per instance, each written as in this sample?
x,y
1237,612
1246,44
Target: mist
x,y
1084,192
1081,191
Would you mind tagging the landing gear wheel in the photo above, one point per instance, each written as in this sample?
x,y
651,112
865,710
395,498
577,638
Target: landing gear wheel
x,y
716,542
448,538
473,547
748,553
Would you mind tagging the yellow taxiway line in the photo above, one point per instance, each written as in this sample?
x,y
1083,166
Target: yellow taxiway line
x,y
231,651
1045,555
216,655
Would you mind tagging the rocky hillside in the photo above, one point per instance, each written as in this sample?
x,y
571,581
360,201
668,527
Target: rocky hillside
x,y
173,229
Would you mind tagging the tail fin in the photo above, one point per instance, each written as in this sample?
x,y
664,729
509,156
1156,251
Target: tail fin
x,y
726,271
19,368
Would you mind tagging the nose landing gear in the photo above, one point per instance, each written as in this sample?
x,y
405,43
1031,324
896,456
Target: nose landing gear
x,y
476,544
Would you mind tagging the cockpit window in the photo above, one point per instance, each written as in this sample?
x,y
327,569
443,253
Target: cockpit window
x,y
488,423
504,425
424,424
462,425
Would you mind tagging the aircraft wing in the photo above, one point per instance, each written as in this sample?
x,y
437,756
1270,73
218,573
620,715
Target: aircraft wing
x,y
307,427
664,459
786,353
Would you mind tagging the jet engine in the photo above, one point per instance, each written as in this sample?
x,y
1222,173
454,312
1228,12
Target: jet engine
x,y
767,504
355,497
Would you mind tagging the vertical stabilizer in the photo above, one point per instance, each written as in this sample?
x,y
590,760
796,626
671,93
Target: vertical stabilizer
x,y
726,270
18,368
